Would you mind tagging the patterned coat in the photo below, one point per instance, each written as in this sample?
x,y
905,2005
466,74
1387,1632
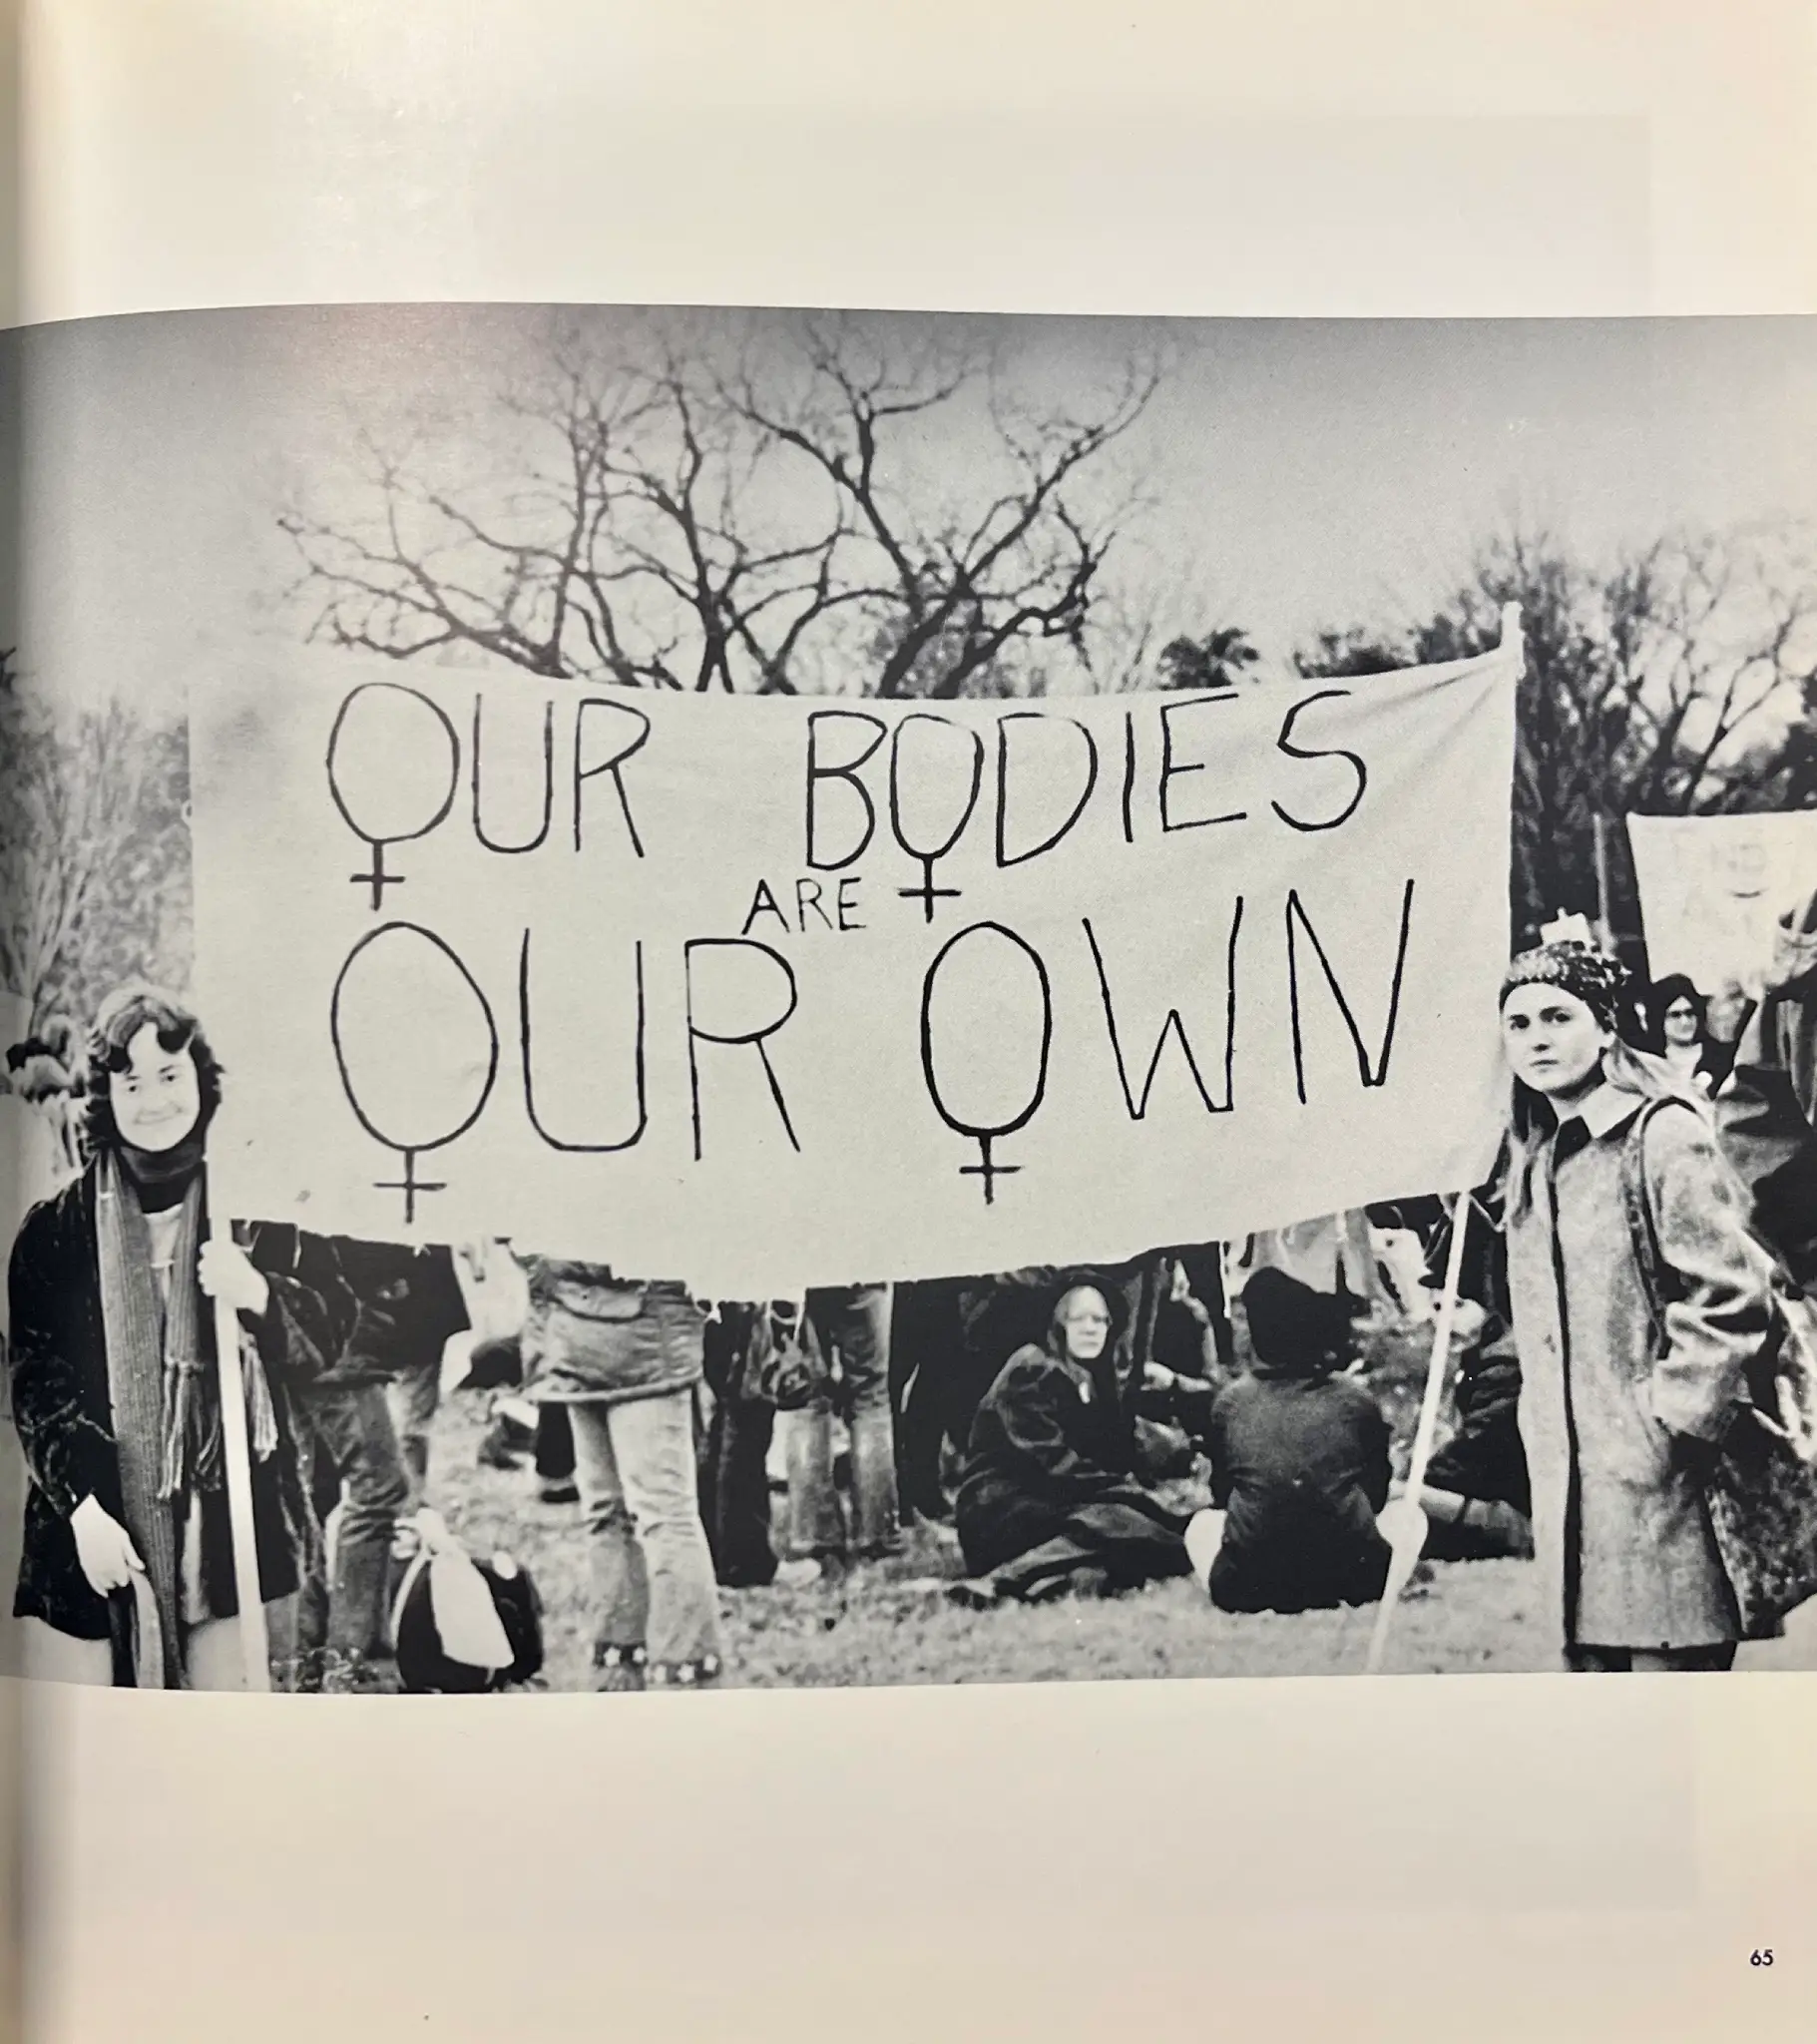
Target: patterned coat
x,y
1618,1436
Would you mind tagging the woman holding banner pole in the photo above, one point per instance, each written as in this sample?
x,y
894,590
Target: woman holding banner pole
x,y
128,1569
1619,1424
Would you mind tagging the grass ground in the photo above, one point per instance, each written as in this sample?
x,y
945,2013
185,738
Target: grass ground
x,y
879,1627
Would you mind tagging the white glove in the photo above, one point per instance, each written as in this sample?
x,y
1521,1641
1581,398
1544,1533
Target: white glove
x,y
103,1547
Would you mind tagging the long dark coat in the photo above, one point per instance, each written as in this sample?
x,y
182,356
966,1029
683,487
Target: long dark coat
x,y
1299,1462
1616,1435
1011,1309
1050,1458
64,1413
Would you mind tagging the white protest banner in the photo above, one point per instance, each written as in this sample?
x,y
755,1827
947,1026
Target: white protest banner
x,y
766,991
1714,888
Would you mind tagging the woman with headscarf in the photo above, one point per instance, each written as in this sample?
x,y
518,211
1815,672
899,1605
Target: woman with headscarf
x,y
1048,1501
1619,1420
1677,1033
113,1287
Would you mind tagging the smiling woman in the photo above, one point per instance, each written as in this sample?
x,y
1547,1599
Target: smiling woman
x,y
157,1096
128,1571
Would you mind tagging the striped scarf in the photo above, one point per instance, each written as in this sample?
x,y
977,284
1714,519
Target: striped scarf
x,y
166,1401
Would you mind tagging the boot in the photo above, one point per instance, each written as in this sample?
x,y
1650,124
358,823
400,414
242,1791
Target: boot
x,y
619,1669
700,1673
298,1675
354,1675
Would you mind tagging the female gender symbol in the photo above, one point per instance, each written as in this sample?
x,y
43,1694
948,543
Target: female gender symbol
x,y
387,1019
986,1133
390,770
927,893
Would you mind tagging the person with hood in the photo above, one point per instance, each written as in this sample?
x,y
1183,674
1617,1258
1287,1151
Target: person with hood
x,y
127,1571
1299,1460
1620,1421
1010,1311
1048,1501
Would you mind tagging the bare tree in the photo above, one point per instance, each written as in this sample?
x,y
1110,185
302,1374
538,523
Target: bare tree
x,y
1222,657
90,846
767,514
1677,681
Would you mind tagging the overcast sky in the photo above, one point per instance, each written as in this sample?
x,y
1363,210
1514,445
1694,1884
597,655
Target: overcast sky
x,y
1301,473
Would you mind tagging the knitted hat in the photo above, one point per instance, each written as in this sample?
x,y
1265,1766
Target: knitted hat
x,y
1594,977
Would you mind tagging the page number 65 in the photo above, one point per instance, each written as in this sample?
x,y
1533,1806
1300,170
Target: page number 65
x,y
1762,1957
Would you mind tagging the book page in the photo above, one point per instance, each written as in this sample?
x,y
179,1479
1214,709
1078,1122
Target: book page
x,y
829,735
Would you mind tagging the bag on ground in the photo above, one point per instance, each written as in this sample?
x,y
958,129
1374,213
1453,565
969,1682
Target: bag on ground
x,y
463,1626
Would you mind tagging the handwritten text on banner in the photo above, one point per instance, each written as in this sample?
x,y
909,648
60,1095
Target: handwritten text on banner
x,y
767,991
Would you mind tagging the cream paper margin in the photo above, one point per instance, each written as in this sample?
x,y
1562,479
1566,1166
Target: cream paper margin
x,y
1493,1858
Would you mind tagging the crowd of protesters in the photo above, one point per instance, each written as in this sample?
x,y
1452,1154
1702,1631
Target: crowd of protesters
x,y
1655,1208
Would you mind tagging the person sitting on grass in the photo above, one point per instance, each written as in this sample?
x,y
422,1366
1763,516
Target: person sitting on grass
x,y
1299,1463
1048,1503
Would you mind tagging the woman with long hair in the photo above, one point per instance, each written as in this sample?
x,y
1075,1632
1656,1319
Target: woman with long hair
x,y
1620,1421
126,1572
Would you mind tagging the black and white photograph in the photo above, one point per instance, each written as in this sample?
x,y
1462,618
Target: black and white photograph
x,y
727,999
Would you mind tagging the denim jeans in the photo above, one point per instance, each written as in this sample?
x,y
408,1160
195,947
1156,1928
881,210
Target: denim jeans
x,y
850,1326
633,1463
414,1394
353,1429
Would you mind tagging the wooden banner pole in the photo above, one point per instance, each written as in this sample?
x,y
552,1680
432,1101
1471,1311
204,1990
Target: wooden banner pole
x,y
1410,1536
238,1456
